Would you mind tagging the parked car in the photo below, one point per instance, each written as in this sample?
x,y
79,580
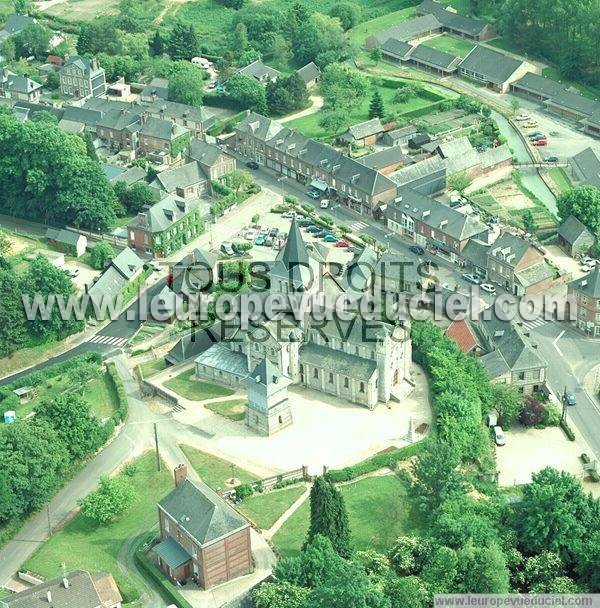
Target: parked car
x,y
250,235
288,215
313,229
488,287
499,436
265,230
471,278
273,232
522,116
260,239
325,203
154,265
569,398
73,272
320,234
342,243
304,223
588,267
457,199
551,159
534,133
416,249
313,194
269,241
227,248
540,142
530,125
330,238
251,164
536,137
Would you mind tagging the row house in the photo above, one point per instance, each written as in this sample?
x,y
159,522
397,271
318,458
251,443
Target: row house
x,y
81,77
310,162
586,291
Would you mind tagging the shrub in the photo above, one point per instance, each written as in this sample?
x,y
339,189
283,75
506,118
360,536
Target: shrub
x,y
552,415
244,490
533,412
567,429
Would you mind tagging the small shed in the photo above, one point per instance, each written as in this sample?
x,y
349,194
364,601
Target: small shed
x,y
25,393
9,417
574,237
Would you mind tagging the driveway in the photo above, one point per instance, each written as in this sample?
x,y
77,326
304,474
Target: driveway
x,y
317,104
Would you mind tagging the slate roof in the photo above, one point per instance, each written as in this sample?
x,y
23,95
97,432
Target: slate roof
x,y
293,262
534,274
130,176
267,374
364,129
495,364
127,263
496,67
83,63
68,237
117,274
172,553
199,511
397,268
385,158
396,48
205,153
589,284
571,229
416,171
356,331
402,132
575,102
111,171
83,591
158,87
165,213
594,119
194,271
257,69
509,248
408,30
161,129
587,166
456,147
180,177
540,85
117,119
195,343
359,271
460,331
434,57
15,23
22,84
494,156
222,358
337,361
460,23
476,252
309,72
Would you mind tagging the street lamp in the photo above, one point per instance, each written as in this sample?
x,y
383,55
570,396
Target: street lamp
x,y
280,180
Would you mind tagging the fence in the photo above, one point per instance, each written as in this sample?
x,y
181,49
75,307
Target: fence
x,y
270,483
151,390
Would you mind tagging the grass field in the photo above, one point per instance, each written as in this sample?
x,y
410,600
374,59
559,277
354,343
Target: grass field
x,y
379,511
187,387
450,44
234,409
84,544
561,179
358,34
265,509
84,10
150,368
215,471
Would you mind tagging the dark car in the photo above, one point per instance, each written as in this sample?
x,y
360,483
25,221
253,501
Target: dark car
x,y
304,223
551,159
274,232
569,398
321,233
471,278
252,165
417,250
313,229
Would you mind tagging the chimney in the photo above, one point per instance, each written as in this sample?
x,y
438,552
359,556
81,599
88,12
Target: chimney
x,y
143,118
142,219
94,64
179,473
153,95
49,596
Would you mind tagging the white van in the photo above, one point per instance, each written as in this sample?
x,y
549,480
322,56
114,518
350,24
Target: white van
x,y
325,203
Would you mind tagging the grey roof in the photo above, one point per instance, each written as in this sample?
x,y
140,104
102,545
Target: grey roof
x,y
22,84
337,361
495,364
293,262
63,236
476,252
460,23
83,63
589,284
81,592
203,152
509,248
396,48
452,222
117,119
158,87
357,331
196,342
594,119
172,553
399,270
571,229
385,158
112,171
364,129
222,358
116,275
161,129
407,30
359,271
309,72
574,102
456,147
130,176
127,263
165,213
540,85
587,166
416,171
402,132
494,156
257,69
180,177
434,57
199,511
267,374
534,274
494,66
171,109
194,272
16,23
83,115
324,157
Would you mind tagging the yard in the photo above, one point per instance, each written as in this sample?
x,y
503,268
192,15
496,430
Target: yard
x,y
265,509
357,35
196,390
215,471
234,409
450,44
84,544
561,179
379,511
150,368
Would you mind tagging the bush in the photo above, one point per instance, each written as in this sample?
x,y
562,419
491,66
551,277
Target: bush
x,y
567,429
244,490
533,412
552,415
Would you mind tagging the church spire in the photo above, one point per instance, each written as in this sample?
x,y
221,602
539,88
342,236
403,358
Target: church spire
x,y
294,251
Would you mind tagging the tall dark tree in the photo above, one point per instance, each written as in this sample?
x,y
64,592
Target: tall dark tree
x,y
157,44
376,109
13,330
183,41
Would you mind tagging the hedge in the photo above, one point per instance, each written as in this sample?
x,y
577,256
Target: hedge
x,y
123,404
564,425
378,461
220,100
164,587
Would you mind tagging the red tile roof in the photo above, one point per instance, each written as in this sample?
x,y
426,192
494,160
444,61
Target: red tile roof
x,y
462,334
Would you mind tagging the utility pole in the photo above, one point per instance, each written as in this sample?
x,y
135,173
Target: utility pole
x,y
156,447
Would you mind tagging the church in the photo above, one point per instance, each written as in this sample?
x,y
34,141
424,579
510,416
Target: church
x,y
359,361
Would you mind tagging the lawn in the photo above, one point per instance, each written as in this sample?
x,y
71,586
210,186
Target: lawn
x,y
84,544
196,390
265,509
215,471
561,179
150,368
449,44
234,409
379,511
357,35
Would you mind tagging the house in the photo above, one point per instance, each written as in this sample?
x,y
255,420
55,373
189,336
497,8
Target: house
x,y
418,141
130,176
574,237
307,161
586,291
158,89
475,258
455,24
433,60
426,177
196,272
518,266
162,140
430,223
536,86
72,243
412,29
363,134
509,358
310,74
14,24
399,137
387,160
460,157
81,77
166,226
261,72
18,87
495,69
202,538
461,332
395,50
77,589
585,167
572,105
591,124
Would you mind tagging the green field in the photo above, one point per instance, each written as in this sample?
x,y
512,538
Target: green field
x,y
150,368
196,390
450,44
379,511
358,34
84,544
234,409
561,179
215,471
265,509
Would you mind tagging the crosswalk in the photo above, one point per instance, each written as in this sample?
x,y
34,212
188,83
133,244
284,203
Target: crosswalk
x,y
358,226
108,340
531,325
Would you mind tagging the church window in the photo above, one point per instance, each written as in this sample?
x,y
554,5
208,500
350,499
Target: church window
x,y
362,387
330,378
346,382
316,372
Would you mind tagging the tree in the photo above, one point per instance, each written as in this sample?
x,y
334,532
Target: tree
x,y
33,39
89,146
183,41
375,54
542,569
588,558
334,121
584,203
529,223
239,40
376,109
508,402
320,39
81,374
533,412
460,182
408,554
13,329
239,179
515,105
286,94
100,254
185,86
483,570
404,93
347,13
279,595
157,45
248,92
71,417
406,592
441,570
343,88
112,498
52,81
21,7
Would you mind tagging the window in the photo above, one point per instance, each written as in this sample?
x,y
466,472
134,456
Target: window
x,y
280,420
166,525
315,373
521,375
362,387
346,382
330,378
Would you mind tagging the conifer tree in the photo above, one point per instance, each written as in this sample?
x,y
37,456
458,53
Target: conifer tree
x,y
376,109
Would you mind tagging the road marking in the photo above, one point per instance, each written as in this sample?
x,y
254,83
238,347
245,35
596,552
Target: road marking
x,y
358,225
533,324
554,343
108,340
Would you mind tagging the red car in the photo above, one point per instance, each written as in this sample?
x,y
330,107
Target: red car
x,y
342,243
541,142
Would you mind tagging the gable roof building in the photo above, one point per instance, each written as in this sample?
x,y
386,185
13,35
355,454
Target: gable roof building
x,y
574,237
14,24
364,133
497,70
434,60
157,90
586,167
586,290
455,23
259,71
537,86
572,105
121,270
426,176
82,77
310,74
407,30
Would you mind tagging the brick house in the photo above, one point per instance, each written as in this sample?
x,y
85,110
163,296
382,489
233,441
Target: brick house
x,y
574,237
202,537
586,291
517,266
363,134
81,77
161,138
